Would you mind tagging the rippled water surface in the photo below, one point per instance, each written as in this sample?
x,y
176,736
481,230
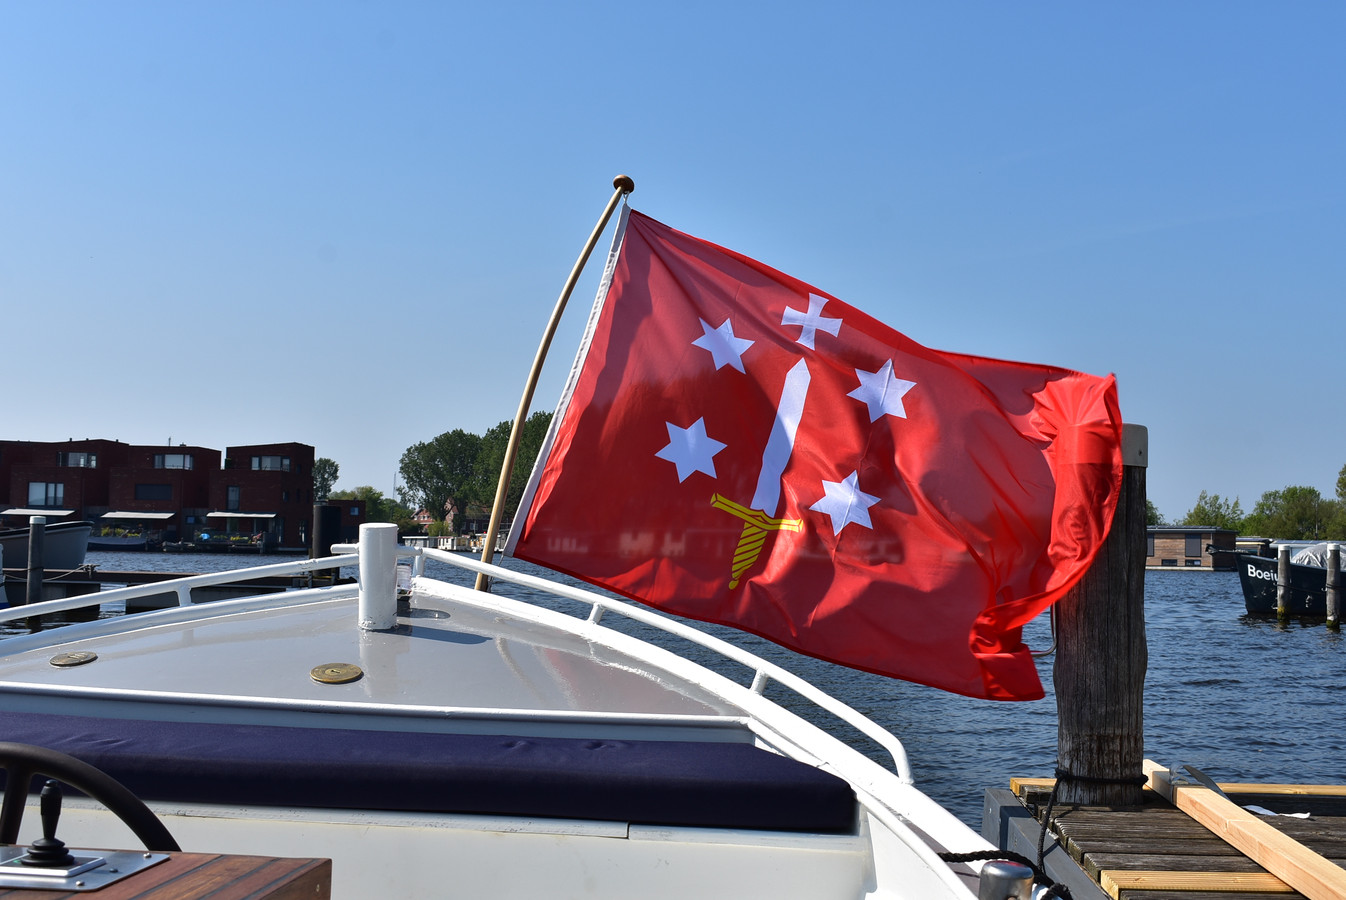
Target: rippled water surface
x,y
1243,699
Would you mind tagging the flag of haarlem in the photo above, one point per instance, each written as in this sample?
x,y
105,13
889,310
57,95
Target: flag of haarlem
x,y
738,447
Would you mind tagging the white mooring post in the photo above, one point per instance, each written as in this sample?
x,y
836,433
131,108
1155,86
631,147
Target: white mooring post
x,y
378,576
37,536
1333,586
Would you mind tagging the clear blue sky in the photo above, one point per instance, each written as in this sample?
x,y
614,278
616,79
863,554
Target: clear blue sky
x,y
346,223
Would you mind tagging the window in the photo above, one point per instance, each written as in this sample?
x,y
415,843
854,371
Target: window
x,y
154,492
271,463
172,461
77,460
355,512
232,501
1192,546
45,493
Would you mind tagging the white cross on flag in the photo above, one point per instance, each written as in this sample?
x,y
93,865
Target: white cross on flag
x,y
738,447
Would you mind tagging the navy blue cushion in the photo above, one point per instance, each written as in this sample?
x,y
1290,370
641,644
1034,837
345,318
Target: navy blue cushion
x,y
706,784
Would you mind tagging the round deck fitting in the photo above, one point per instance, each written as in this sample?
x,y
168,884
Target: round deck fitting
x,y
73,658
335,673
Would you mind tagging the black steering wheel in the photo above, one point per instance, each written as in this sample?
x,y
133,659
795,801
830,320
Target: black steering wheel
x,y
21,762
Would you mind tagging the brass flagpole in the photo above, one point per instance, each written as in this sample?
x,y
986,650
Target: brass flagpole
x,y
622,185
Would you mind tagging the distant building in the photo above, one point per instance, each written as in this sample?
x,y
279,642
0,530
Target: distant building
x,y
1197,547
265,490
352,517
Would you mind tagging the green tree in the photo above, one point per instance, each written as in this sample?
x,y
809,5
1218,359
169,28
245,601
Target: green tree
x,y
1214,511
1292,513
1152,516
378,508
324,477
492,458
1336,521
440,472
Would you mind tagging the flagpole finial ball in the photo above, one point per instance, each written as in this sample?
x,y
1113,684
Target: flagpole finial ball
x,y
625,183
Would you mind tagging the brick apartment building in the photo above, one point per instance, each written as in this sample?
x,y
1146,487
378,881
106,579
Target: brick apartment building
x,y
264,489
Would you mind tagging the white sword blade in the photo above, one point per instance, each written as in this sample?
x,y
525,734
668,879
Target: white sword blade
x,y
780,444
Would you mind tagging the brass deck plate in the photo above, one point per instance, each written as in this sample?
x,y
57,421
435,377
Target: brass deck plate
x,y
336,673
73,658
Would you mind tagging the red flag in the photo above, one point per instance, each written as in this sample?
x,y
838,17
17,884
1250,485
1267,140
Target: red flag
x,y
739,447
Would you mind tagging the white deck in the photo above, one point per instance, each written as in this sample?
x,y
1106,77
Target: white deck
x,y
444,656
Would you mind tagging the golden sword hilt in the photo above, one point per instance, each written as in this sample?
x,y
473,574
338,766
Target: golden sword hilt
x,y
756,525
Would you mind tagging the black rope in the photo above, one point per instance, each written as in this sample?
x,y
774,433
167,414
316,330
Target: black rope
x,y
1039,876
1039,869
1062,775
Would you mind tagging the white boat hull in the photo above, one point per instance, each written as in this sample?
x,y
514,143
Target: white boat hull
x,y
64,546
435,856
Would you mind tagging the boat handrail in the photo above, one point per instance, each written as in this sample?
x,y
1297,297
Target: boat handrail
x,y
180,586
763,670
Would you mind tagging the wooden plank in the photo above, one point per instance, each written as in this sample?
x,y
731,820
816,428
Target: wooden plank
x,y
285,879
1019,785
1087,846
1311,790
1298,866
1156,861
1114,882
1209,895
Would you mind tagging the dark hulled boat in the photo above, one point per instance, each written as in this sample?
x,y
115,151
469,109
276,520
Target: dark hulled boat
x,y
1308,583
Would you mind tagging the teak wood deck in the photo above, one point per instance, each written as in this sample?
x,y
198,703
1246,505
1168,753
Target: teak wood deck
x,y
198,876
1159,851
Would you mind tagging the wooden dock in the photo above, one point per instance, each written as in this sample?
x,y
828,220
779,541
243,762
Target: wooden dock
x,y
1200,846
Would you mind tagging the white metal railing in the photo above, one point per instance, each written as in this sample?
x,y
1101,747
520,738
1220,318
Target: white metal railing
x,y
377,592
763,670
182,587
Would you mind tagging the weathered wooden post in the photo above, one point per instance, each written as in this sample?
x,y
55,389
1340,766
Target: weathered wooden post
x,y
1283,582
1334,586
1101,655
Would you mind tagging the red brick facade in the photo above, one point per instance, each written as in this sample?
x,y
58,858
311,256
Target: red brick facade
x,y
251,489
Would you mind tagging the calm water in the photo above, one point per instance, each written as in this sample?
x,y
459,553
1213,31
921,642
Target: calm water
x,y
1242,699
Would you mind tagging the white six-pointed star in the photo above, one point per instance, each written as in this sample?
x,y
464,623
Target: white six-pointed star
x,y
882,392
845,503
690,449
724,347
